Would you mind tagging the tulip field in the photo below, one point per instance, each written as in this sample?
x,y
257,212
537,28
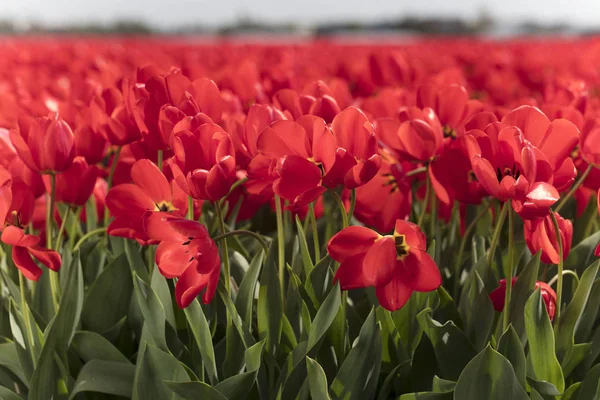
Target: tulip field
x,y
319,219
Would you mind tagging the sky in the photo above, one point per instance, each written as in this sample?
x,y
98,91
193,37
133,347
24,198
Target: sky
x,y
169,14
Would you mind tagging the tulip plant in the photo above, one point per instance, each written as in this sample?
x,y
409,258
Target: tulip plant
x,y
316,221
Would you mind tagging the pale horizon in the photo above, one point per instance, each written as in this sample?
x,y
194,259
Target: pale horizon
x,y
163,15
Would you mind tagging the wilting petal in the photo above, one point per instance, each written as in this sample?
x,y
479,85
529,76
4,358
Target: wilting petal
x,y
50,258
350,241
393,295
362,172
25,264
14,236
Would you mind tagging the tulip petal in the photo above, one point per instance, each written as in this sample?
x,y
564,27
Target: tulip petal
x,y
50,258
379,262
393,295
350,241
25,264
151,180
172,258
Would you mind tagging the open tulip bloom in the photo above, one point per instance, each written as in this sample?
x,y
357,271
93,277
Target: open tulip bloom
x,y
317,220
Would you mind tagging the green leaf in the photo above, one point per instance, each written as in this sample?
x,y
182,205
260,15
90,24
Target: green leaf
x,y
405,319
582,255
489,376
201,331
477,312
442,385
452,348
572,392
569,319
153,312
107,300
107,377
324,317
270,302
386,387
590,387
93,346
317,381
542,359
7,394
358,376
9,359
245,298
522,290
153,369
44,382
135,260
306,259
510,347
253,356
238,386
195,391
319,281
159,284
583,331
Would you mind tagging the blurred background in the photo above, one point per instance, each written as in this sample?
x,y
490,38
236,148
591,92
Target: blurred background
x,y
306,18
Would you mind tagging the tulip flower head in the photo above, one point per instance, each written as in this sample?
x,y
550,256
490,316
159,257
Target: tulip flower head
x,y
396,265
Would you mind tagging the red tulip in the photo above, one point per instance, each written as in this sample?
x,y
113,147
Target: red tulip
x,y
46,146
548,295
150,191
204,162
508,164
301,153
187,252
75,185
540,235
357,159
395,265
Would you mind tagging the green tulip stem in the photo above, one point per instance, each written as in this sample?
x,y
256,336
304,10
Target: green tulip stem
x,y
559,283
461,248
255,235
315,232
190,210
88,235
109,181
54,285
342,208
61,230
425,203
511,260
496,234
226,267
280,241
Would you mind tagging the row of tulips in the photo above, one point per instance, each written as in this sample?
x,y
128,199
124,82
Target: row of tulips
x,y
242,221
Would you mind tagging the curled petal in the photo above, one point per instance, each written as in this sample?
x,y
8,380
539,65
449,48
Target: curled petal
x,y
50,258
25,264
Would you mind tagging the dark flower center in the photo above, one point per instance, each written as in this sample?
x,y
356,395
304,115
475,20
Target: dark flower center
x,y
401,246
392,182
449,132
514,172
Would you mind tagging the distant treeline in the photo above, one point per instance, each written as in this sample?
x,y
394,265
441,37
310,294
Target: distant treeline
x,y
433,26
